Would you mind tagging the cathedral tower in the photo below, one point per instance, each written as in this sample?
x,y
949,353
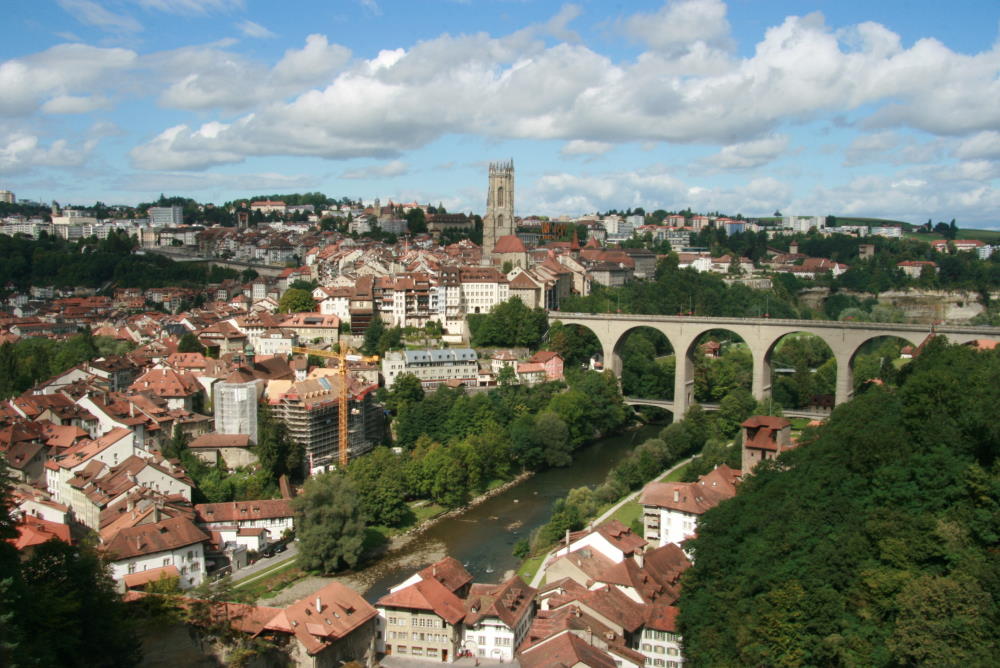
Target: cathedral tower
x,y
499,219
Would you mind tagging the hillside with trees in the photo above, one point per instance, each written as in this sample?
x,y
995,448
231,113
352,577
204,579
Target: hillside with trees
x,y
94,263
874,543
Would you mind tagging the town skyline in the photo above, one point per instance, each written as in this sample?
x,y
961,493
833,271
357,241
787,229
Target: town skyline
x,y
813,110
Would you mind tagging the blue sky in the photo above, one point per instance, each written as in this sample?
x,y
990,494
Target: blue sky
x,y
885,109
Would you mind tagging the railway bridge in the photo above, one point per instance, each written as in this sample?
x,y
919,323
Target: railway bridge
x,y
761,336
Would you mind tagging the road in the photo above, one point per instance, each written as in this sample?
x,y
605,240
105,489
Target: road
x,y
250,573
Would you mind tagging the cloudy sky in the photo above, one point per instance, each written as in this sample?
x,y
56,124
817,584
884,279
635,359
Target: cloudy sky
x,y
886,108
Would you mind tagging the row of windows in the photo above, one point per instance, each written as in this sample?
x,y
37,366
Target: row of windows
x,y
661,662
421,622
661,635
407,635
417,651
499,642
659,649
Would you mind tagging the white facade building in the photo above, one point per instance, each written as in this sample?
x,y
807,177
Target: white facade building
x,y
166,216
432,367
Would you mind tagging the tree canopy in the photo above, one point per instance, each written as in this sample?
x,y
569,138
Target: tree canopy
x,y
59,607
329,523
873,543
510,323
296,300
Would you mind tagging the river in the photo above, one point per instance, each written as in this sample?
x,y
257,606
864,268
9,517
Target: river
x,y
483,537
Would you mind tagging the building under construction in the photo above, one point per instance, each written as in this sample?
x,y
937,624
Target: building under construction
x,y
310,409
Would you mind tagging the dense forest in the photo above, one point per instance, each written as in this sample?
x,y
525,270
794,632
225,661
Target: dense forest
x,y
95,263
874,543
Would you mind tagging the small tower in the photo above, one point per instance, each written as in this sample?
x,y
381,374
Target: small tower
x,y
499,220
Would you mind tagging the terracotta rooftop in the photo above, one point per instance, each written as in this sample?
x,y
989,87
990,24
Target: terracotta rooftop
x,y
234,511
427,594
323,617
163,536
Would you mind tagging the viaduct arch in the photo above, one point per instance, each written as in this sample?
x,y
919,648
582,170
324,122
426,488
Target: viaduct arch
x,y
761,335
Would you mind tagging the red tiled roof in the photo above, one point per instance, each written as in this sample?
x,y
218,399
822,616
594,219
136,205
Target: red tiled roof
x,y
133,580
163,536
324,617
564,651
234,511
221,441
33,531
509,243
427,594
449,572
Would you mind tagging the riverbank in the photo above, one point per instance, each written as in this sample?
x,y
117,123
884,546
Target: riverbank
x,y
534,567
396,551
401,540
482,533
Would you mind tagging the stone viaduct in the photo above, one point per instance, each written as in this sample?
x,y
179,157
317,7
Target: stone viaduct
x,y
761,336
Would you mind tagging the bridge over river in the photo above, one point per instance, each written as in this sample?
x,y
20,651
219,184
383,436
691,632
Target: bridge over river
x,y
669,406
761,336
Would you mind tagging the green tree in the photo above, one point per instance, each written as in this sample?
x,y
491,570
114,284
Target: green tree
x,y
329,523
553,437
507,376
405,389
416,223
296,301
373,335
189,343
276,452
735,407
903,573
380,479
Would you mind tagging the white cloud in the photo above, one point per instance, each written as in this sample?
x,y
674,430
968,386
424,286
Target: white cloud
x,y
316,61
58,72
212,77
92,14
654,188
371,6
74,104
21,153
388,170
906,196
584,147
178,148
746,155
891,147
251,29
185,181
517,87
981,145
192,7
679,24
557,26
870,147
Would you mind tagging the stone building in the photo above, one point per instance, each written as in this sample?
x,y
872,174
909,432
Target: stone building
x,y
499,219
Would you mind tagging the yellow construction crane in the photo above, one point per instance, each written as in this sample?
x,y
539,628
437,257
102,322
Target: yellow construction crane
x,y
342,355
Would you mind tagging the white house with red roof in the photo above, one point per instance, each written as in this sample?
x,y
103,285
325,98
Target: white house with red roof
x,y
422,616
175,541
671,510
498,618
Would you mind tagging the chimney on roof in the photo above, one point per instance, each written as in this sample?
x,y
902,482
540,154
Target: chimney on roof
x,y
677,495
319,605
